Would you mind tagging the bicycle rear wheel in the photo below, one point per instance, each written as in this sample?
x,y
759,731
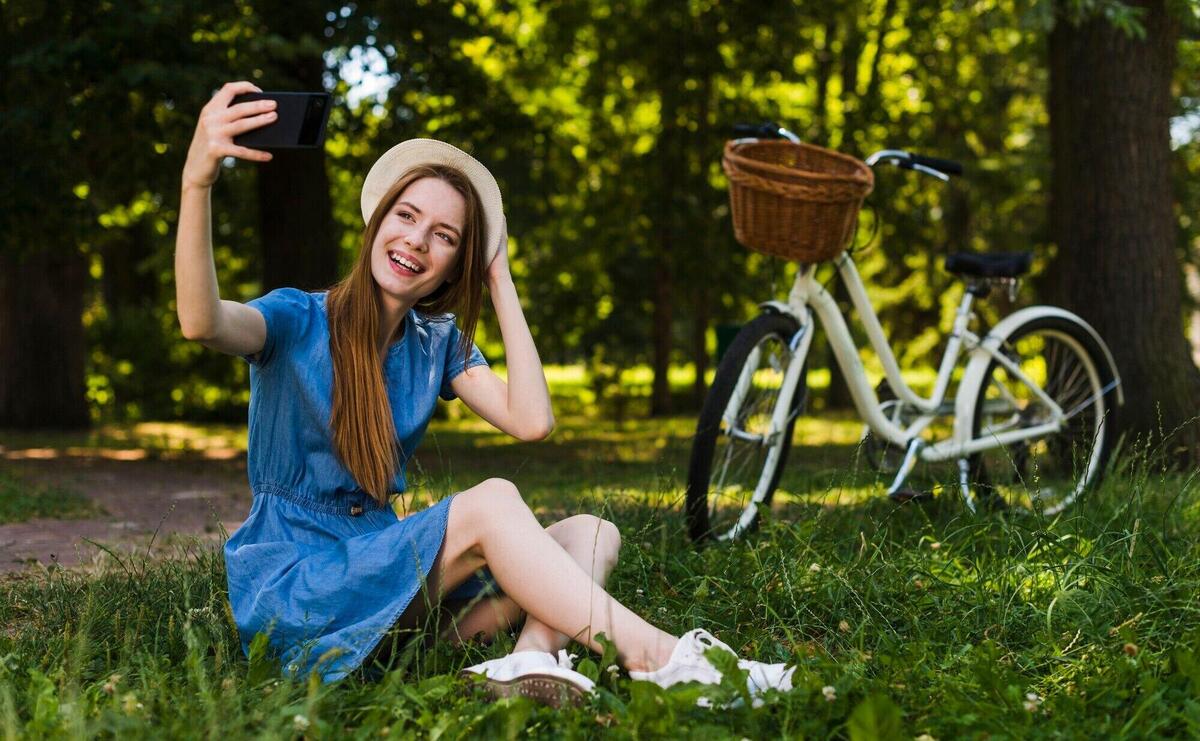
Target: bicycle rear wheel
x,y
1045,474
732,452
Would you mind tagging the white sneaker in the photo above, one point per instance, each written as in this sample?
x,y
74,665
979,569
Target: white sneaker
x,y
534,674
688,664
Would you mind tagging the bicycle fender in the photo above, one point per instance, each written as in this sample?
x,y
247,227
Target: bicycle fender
x,y
781,307
972,380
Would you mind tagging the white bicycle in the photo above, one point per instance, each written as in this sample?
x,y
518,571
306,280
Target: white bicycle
x,y
1028,423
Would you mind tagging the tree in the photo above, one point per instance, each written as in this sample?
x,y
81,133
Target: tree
x,y
296,227
1111,209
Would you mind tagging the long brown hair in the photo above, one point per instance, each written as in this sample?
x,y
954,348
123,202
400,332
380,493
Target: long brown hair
x,y
364,435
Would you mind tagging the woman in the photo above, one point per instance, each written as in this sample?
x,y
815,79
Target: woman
x,y
343,384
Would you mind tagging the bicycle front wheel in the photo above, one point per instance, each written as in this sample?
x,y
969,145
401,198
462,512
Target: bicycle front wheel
x,y
736,452
1045,474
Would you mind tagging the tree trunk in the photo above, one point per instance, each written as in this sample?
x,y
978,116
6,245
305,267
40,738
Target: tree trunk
x,y
296,221
295,210
41,341
660,391
700,315
1111,214
126,282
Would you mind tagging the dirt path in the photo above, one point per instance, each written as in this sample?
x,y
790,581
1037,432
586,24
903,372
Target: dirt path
x,y
149,503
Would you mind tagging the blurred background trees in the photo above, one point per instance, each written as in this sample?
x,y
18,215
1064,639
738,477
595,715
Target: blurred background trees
x,y
604,122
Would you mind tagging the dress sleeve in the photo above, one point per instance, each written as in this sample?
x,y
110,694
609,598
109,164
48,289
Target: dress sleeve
x,y
455,364
287,312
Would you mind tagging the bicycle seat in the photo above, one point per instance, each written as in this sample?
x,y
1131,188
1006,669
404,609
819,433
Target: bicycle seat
x,y
991,265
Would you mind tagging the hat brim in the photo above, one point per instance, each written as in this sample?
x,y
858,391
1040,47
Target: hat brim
x,y
408,154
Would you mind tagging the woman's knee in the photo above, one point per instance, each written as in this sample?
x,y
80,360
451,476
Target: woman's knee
x,y
595,532
491,499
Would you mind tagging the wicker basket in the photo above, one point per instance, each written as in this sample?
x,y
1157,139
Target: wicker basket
x,y
795,201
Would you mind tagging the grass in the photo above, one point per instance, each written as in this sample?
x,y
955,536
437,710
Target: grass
x,y
902,621
19,501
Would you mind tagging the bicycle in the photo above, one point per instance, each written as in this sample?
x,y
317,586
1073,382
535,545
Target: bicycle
x,y
1030,417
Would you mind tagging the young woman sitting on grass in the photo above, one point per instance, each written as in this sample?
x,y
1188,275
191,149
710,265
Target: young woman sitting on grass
x,y
343,384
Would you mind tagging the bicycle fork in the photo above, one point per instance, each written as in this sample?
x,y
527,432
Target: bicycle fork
x,y
780,417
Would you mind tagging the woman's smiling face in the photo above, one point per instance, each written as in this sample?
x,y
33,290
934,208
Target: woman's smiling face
x,y
418,242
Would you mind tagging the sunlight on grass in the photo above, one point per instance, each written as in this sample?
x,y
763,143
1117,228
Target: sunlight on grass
x,y
949,621
154,437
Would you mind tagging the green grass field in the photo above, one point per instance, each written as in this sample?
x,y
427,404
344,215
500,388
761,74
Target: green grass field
x,y
904,622
20,502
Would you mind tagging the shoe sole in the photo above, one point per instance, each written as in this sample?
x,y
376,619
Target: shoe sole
x,y
544,688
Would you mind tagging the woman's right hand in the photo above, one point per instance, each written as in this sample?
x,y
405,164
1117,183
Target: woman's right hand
x,y
219,122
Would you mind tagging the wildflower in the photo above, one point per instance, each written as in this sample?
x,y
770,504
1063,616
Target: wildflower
x,y
300,723
130,704
612,669
925,737
1130,649
640,592
829,692
815,568
844,626
1032,701
935,546
110,687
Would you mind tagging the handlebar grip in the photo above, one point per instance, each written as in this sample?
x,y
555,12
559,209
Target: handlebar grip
x,y
765,130
950,167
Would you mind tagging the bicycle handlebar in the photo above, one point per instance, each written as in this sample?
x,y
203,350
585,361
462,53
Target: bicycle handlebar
x,y
950,167
938,168
765,130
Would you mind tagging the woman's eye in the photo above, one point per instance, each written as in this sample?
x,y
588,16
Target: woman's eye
x,y
404,215
449,239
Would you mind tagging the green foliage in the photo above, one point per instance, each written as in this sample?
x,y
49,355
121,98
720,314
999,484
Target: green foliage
x,y
876,717
901,621
603,122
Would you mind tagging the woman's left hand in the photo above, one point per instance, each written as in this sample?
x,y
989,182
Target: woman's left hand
x,y
498,270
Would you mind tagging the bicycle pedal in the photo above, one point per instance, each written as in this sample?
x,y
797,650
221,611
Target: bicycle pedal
x,y
904,496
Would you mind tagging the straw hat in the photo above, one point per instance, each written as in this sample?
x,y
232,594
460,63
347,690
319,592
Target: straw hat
x,y
408,154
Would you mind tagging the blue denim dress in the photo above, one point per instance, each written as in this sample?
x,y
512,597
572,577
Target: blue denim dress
x,y
319,566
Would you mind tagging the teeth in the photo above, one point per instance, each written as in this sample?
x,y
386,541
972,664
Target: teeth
x,y
407,263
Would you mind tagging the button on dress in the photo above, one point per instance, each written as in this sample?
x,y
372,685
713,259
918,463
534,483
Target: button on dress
x,y
319,566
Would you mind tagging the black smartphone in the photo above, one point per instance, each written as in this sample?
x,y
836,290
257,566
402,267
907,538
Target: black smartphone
x,y
300,125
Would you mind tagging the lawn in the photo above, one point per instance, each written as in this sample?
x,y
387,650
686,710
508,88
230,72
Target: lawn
x,y
903,621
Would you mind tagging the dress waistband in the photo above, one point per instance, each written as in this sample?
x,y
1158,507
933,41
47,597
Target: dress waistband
x,y
351,505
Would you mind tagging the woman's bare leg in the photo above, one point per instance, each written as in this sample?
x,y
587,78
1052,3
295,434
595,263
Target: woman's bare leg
x,y
593,543
491,525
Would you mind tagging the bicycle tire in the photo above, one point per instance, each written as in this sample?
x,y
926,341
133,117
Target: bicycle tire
x,y
778,330
1078,377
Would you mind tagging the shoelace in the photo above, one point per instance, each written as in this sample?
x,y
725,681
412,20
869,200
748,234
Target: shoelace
x,y
702,640
566,660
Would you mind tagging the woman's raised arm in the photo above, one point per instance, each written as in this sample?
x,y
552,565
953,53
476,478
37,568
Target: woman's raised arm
x,y
520,407
227,326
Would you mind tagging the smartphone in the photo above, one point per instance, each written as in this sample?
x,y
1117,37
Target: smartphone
x,y
300,125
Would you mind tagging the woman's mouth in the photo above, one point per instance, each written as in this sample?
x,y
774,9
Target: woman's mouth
x,y
404,265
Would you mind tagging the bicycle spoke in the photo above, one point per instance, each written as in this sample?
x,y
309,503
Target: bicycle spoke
x,y
741,450
1045,473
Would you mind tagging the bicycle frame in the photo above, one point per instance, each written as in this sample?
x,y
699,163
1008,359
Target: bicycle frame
x,y
808,296
808,303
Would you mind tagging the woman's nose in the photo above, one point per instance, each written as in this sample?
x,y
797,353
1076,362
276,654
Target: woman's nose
x,y
417,241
